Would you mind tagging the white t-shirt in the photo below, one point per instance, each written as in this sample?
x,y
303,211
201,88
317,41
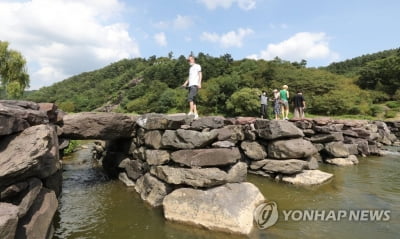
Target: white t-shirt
x,y
194,74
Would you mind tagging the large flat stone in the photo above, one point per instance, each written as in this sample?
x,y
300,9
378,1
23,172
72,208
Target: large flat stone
x,y
96,125
206,157
288,166
31,153
225,208
195,177
291,149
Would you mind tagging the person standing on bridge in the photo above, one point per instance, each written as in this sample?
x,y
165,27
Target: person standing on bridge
x,y
194,84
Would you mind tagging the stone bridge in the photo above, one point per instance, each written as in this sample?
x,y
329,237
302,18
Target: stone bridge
x,y
173,161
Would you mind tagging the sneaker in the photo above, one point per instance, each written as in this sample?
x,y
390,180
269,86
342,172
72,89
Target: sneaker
x,y
190,113
196,116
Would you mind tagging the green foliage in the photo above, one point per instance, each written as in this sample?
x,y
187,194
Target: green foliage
x,y
393,104
229,87
73,144
376,110
382,75
67,106
245,101
390,114
13,76
353,66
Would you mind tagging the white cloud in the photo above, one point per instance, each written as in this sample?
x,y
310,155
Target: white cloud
x,y
229,39
243,4
303,45
160,39
179,23
60,38
182,22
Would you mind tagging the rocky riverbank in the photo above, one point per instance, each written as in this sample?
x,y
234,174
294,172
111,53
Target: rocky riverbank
x,y
172,160
30,169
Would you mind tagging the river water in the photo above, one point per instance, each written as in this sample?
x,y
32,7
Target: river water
x,y
93,207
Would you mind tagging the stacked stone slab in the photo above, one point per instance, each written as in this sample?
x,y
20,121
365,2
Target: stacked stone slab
x,y
340,142
173,160
394,127
173,151
30,170
283,152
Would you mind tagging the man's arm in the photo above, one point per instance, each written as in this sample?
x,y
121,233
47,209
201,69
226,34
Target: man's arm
x,y
186,82
200,77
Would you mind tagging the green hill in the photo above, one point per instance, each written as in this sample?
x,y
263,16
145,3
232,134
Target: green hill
x,y
230,87
352,67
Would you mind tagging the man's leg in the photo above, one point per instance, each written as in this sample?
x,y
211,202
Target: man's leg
x,y
191,107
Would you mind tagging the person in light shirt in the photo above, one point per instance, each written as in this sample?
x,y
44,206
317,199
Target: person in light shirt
x,y
194,84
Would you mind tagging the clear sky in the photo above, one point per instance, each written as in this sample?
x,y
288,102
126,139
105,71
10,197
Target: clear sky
x,y
62,38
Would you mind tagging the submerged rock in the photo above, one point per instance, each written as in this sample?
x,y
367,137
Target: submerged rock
x,y
308,177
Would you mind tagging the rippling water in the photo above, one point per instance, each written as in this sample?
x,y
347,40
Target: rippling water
x,y
91,206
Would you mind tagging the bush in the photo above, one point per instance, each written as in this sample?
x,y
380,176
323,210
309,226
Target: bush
x,y
376,109
390,114
73,144
393,104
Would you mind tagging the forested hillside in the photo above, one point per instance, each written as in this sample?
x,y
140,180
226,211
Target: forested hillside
x,y
229,88
352,67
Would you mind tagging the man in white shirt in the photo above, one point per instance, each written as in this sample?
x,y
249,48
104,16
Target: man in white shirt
x,y
194,84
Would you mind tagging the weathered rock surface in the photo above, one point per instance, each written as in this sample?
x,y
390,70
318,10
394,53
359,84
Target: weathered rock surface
x,y
206,157
350,160
152,190
337,149
254,150
31,153
152,139
211,122
37,222
157,157
15,116
232,133
277,129
92,125
187,139
123,177
291,149
227,208
288,166
8,220
200,177
307,177
134,168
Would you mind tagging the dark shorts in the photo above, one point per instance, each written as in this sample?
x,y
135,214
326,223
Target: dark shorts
x,y
192,93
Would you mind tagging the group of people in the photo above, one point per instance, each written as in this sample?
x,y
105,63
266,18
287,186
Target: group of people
x,y
280,101
280,98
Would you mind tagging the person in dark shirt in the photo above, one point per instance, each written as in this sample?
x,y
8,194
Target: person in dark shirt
x,y
299,105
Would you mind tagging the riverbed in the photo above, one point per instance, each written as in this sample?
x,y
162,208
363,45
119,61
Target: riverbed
x,y
94,207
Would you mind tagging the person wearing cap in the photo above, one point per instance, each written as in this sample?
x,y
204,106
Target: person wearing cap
x,y
277,105
284,96
194,84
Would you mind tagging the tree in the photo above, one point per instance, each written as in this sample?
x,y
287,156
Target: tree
x,y
381,75
244,102
13,76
